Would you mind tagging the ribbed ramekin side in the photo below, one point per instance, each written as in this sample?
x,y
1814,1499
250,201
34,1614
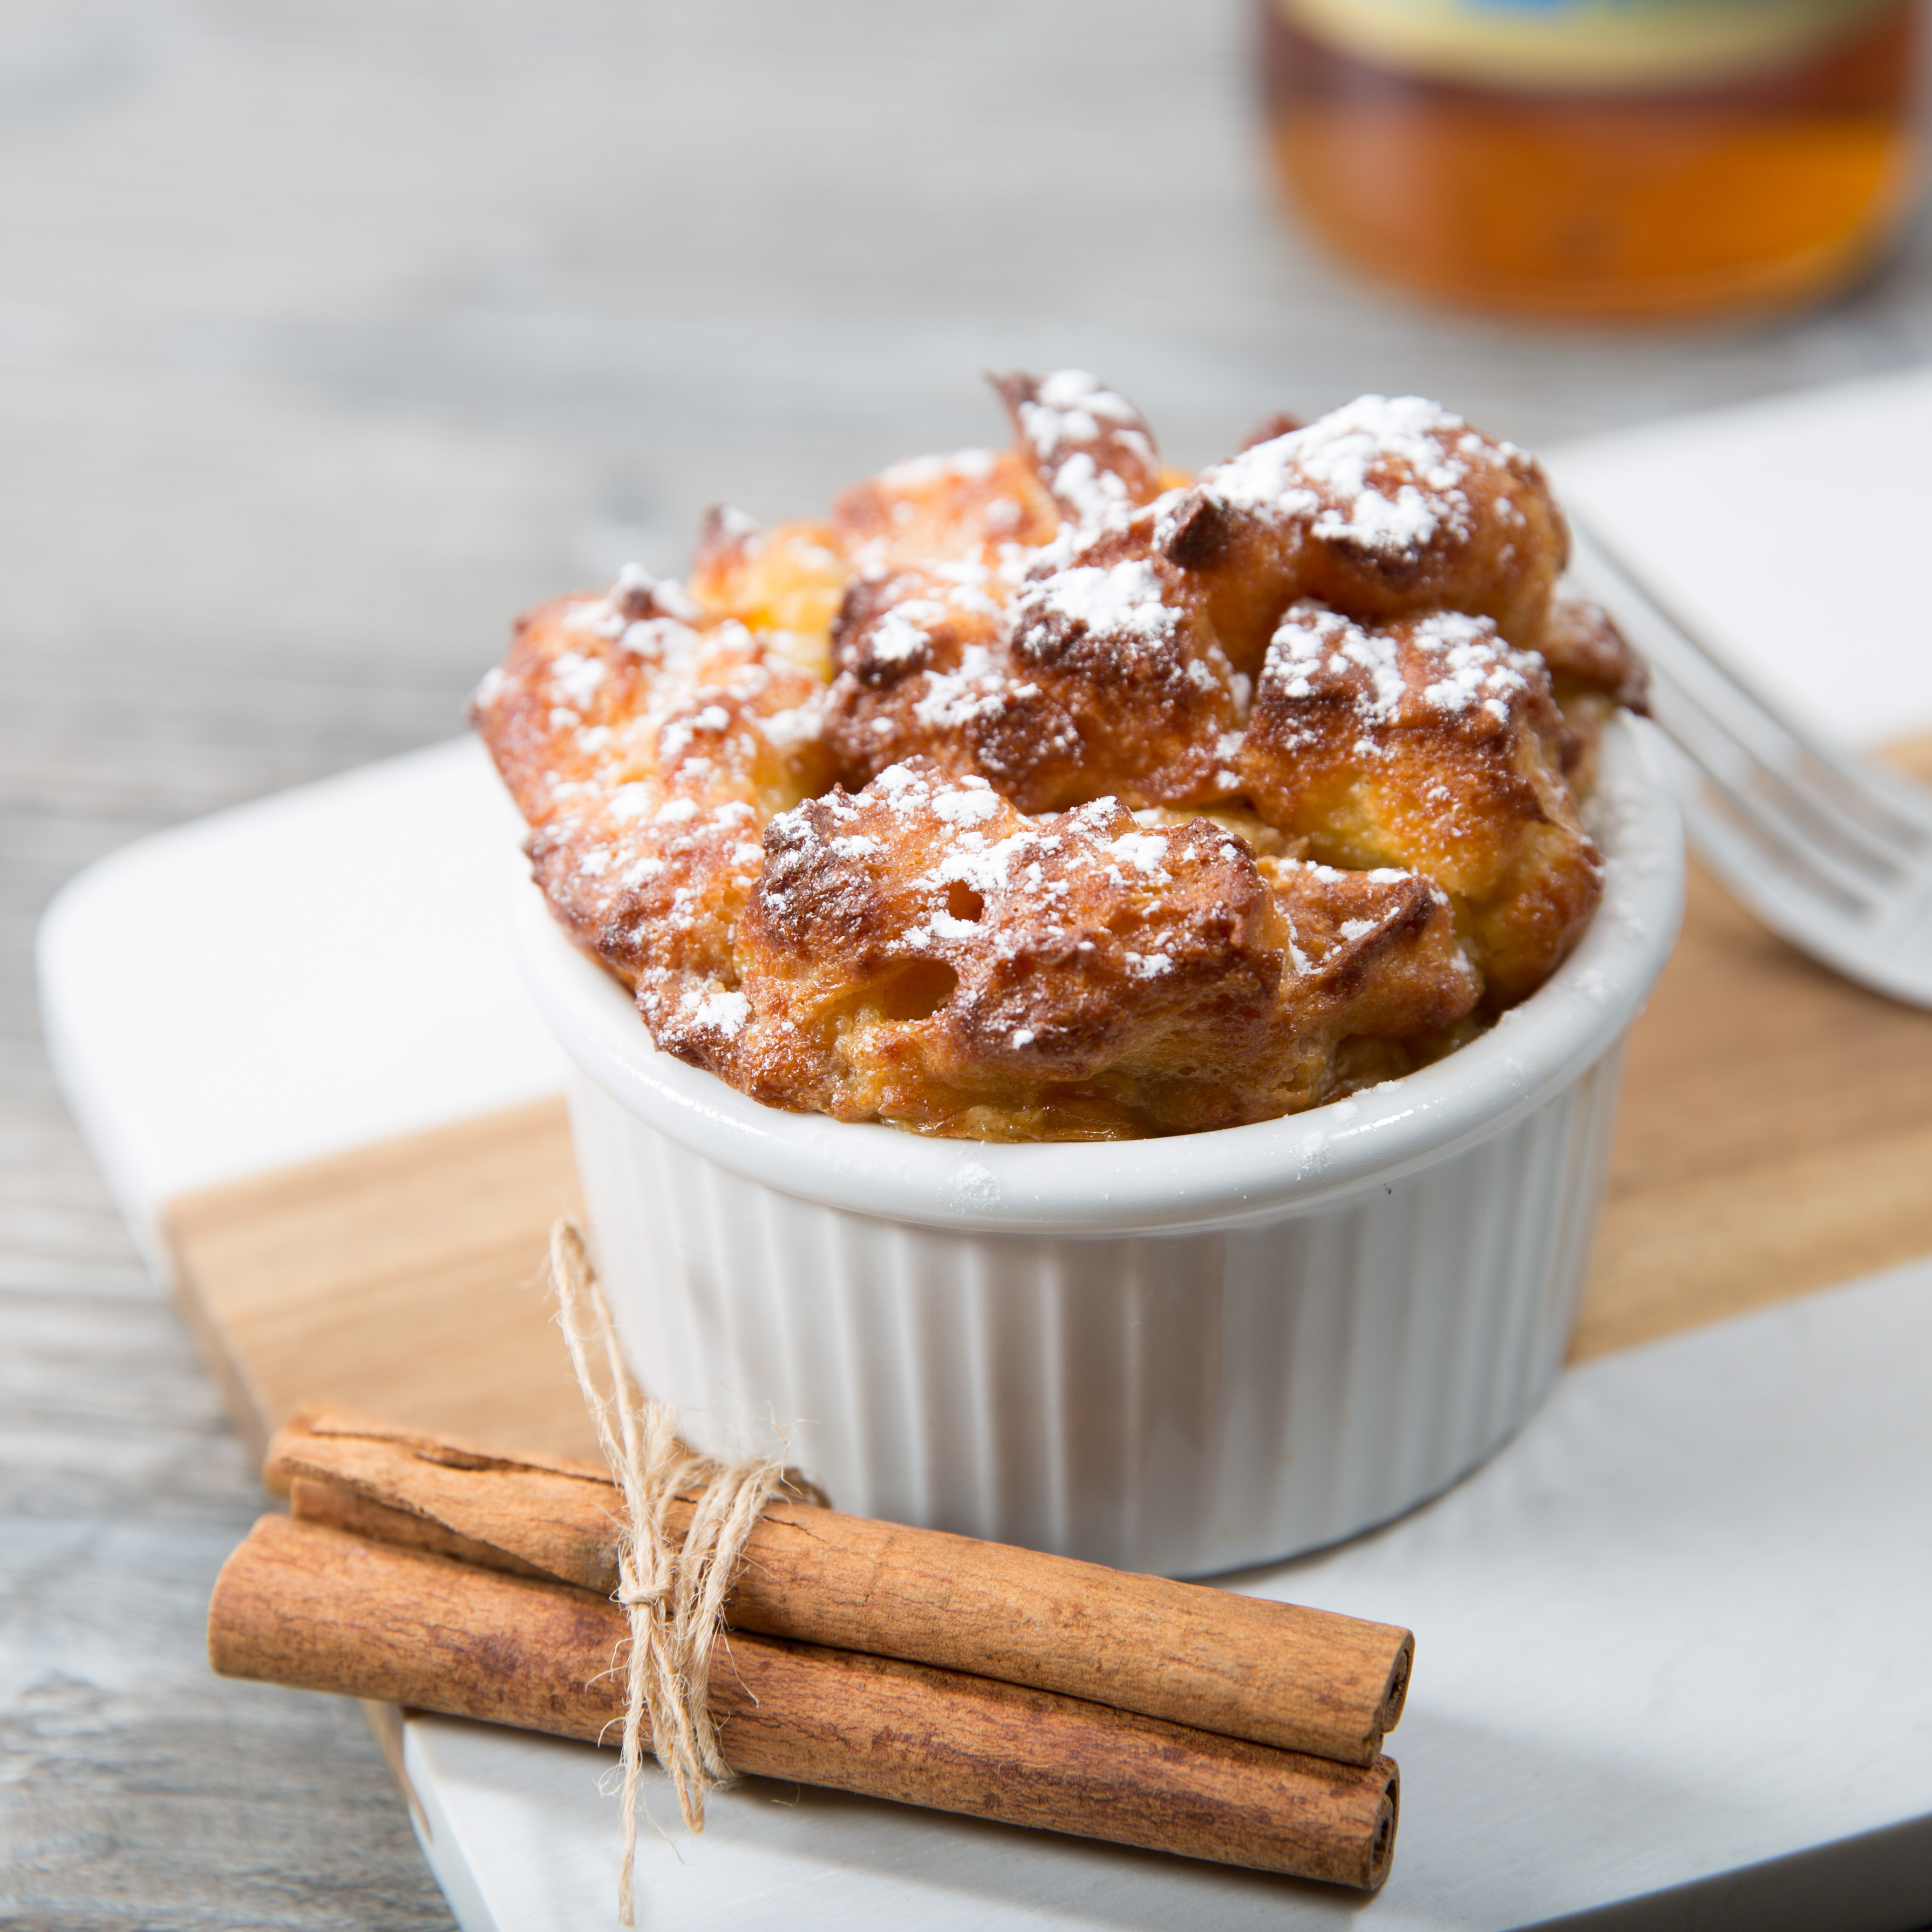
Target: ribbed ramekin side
x,y
1584,1185
1187,1403
1371,1354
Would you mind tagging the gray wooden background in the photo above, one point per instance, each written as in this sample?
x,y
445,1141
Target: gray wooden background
x,y
332,334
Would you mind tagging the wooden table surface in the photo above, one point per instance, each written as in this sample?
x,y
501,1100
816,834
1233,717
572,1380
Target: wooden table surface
x,y
334,334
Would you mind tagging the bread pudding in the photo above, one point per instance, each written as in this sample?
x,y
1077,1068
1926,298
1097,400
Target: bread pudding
x,y
1048,794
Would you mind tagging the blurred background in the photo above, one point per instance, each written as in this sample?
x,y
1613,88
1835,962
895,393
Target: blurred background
x,y
332,334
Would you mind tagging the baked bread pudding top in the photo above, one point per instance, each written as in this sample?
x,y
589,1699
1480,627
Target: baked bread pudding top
x,y
1047,793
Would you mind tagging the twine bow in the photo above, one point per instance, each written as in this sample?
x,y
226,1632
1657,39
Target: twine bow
x,y
674,1597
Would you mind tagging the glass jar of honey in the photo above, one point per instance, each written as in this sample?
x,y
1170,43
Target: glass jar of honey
x,y
1606,158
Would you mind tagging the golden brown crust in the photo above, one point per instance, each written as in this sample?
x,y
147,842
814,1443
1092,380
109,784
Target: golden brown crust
x,y
974,507
1585,651
924,954
1090,447
1383,507
1097,677
1162,805
1429,744
784,583
924,666
645,755
1122,643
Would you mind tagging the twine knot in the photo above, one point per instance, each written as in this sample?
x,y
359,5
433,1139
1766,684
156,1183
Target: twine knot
x,y
674,1595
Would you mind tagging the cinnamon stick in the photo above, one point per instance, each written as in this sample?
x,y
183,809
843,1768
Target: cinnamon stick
x,y
1278,1674
303,1604
336,1507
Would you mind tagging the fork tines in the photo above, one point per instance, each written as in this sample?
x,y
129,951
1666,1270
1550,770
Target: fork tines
x,y
1832,853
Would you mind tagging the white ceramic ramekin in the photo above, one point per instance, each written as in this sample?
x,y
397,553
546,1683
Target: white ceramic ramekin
x,y
1184,1355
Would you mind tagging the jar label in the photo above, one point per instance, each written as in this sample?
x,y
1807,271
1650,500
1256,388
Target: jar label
x,y
1580,46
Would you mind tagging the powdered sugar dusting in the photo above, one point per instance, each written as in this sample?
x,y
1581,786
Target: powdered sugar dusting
x,y
1383,473
1443,663
979,689
900,637
1120,602
577,677
1070,422
1070,407
722,1012
1145,851
919,472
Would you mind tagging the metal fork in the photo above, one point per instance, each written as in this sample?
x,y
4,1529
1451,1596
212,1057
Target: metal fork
x,y
1834,853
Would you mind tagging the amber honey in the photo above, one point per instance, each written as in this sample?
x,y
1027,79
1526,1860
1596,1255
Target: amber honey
x,y
1764,191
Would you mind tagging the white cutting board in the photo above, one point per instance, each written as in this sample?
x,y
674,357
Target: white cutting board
x,y
1793,535
1671,1642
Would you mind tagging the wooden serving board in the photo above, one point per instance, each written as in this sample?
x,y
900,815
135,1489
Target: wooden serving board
x,y
1775,1137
